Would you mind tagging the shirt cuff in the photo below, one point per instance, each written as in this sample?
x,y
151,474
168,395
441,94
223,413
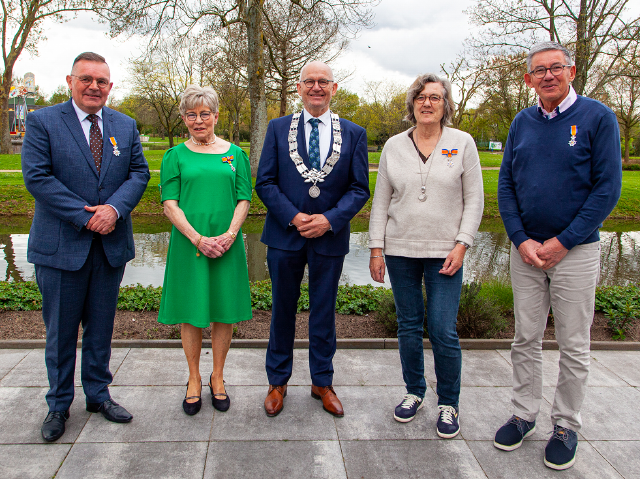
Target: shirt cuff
x,y
115,209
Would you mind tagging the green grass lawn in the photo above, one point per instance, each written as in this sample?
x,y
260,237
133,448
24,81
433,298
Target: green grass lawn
x,y
15,200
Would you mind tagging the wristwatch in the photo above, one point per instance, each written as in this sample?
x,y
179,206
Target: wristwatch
x,y
233,235
466,246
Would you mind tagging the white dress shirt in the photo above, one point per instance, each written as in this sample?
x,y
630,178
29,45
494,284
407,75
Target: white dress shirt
x,y
86,124
324,132
86,129
569,100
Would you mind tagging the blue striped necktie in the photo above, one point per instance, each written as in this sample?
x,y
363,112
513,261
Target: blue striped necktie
x,y
314,144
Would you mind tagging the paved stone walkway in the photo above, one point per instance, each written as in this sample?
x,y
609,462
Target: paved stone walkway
x,y
304,441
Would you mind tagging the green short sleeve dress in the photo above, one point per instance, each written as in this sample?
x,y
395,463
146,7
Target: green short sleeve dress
x,y
200,290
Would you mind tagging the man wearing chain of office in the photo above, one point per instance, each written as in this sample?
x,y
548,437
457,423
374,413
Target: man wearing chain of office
x,y
313,178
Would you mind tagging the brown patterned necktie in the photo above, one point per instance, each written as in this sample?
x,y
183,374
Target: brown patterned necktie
x,y
95,140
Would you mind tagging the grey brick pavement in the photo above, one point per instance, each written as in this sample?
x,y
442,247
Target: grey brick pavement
x,y
304,441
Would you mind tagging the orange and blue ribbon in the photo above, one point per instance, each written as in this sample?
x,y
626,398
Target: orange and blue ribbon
x,y
229,161
574,130
448,153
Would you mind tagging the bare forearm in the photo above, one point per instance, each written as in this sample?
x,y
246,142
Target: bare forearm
x,y
239,215
179,220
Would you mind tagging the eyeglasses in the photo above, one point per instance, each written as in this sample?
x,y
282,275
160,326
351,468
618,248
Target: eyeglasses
x,y
541,72
88,81
434,99
321,83
204,116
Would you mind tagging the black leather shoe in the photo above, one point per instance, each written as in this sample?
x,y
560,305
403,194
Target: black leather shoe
x,y
219,404
111,410
53,425
192,408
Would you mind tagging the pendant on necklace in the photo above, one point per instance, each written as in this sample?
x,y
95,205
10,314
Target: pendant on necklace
x,y
314,191
423,195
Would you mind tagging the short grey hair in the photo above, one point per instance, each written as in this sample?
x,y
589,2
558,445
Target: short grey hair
x,y
546,47
416,88
194,96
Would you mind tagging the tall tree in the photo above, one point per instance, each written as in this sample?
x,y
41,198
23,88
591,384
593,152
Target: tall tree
x,y
468,80
22,30
623,96
382,113
160,76
292,39
155,16
601,32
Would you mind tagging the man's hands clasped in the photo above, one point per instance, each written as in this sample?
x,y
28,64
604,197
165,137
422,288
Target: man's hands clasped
x,y
542,255
103,220
311,226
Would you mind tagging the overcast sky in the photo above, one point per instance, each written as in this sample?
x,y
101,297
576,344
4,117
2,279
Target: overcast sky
x,y
410,37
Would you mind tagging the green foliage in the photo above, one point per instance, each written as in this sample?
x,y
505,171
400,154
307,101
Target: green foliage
x,y
139,298
478,316
631,167
386,313
352,299
20,296
498,292
261,295
621,306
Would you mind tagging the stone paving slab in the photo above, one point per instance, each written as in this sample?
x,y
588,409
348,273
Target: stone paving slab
x,y
369,414
608,414
410,459
280,459
9,358
168,460
302,417
622,363
599,375
485,368
484,410
32,371
527,462
157,417
31,461
305,441
22,410
623,455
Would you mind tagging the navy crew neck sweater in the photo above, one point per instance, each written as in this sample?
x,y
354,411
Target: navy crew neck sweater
x,y
560,177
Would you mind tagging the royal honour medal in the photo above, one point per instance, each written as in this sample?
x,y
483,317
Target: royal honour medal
x,y
574,132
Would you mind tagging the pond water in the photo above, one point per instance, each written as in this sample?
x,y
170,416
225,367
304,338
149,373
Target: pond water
x,y
488,259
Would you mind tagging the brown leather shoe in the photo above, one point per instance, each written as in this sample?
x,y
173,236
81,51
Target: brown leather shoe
x,y
330,401
274,402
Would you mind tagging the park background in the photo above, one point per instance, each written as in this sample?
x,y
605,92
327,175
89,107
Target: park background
x,y
252,52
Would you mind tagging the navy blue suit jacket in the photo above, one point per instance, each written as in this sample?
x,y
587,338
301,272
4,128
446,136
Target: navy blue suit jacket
x,y
60,173
285,194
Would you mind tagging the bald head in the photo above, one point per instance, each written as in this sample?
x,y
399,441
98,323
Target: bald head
x,y
317,66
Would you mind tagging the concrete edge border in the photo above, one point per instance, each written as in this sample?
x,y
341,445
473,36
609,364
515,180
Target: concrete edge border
x,y
376,343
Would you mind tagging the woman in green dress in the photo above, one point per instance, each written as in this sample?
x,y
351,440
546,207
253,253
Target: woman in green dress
x,y
205,184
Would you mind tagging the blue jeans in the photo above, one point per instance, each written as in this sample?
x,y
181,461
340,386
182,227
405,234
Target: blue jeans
x,y
443,298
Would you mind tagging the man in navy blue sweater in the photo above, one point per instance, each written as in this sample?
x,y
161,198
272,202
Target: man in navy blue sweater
x,y
560,178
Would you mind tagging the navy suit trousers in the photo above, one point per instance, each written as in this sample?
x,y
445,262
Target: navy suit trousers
x,y
89,297
286,269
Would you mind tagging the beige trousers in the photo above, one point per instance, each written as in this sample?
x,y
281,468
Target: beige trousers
x,y
569,287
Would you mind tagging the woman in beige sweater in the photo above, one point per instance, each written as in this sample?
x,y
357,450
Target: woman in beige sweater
x,y
426,211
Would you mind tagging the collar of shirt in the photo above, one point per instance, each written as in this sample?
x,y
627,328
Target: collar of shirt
x,y
84,123
566,103
324,132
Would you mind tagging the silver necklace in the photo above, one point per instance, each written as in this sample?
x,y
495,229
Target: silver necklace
x,y
312,175
423,189
206,143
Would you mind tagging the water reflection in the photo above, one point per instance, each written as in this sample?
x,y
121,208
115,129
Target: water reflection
x,y
489,258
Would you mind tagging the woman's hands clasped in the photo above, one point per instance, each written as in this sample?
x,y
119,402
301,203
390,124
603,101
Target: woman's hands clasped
x,y
216,246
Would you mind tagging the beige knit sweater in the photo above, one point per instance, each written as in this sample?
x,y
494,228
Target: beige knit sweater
x,y
403,225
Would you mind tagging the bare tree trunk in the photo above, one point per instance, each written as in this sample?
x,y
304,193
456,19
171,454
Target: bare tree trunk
x,y
552,22
236,127
5,138
170,140
283,98
256,73
582,54
627,135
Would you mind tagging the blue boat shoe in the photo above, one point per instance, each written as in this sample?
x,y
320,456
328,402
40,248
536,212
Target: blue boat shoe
x,y
560,452
511,435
